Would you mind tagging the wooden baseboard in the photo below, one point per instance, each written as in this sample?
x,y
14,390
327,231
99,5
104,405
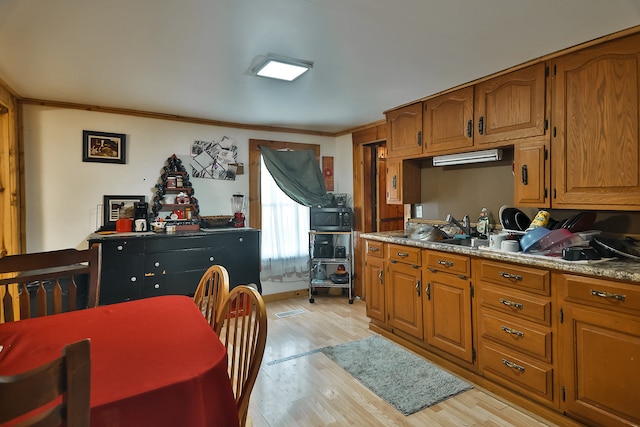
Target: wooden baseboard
x,y
285,295
534,409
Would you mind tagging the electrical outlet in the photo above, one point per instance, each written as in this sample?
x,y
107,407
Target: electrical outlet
x,y
418,211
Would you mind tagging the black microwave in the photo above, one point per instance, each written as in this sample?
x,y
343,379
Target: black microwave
x,y
331,219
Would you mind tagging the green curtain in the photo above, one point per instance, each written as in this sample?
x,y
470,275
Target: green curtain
x,y
298,175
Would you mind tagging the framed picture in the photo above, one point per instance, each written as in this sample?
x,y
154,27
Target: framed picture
x,y
115,205
104,147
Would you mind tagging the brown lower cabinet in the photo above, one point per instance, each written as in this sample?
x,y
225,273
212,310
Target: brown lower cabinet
x,y
559,344
600,349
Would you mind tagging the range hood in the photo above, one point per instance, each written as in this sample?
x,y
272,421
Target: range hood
x,y
464,158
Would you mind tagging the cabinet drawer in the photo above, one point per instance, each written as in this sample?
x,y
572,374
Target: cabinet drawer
x,y
519,304
517,372
607,294
120,248
375,249
405,254
515,276
508,331
444,261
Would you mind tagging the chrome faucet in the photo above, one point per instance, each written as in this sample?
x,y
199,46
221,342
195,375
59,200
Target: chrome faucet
x,y
465,227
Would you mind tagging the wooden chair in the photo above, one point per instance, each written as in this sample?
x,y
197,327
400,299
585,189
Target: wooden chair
x,y
68,376
54,281
211,292
242,328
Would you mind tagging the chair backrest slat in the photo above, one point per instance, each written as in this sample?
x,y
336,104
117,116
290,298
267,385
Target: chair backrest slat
x,y
49,280
211,292
68,376
241,325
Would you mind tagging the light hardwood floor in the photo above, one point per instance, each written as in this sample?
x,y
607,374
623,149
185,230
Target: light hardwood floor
x,y
310,390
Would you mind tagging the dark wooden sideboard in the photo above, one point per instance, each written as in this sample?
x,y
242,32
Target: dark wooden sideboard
x,y
142,265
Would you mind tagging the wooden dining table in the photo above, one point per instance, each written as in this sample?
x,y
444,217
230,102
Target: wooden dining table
x,y
154,362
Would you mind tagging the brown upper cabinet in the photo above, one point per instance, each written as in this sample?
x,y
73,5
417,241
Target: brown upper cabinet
x,y
447,122
510,107
596,119
404,131
532,173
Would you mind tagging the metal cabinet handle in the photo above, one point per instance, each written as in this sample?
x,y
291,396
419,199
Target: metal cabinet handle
x,y
428,290
513,365
470,128
395,179
380,277
156,286
511,303
420,138
510,276
446,263
157,264
608,295
481,125
512,331
374,249
418,287
149,274
403,254
525,175
133,278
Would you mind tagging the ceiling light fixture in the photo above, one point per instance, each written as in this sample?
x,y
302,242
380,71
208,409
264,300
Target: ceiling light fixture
x,y
281,68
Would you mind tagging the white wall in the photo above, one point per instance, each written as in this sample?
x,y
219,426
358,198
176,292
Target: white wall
x,y
63,192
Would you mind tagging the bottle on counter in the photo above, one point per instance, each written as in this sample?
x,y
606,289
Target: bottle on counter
x,y
483,224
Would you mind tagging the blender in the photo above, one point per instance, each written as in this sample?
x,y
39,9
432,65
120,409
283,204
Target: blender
x,y
237,206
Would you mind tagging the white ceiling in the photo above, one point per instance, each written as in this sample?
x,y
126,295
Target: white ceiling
x,y
192,57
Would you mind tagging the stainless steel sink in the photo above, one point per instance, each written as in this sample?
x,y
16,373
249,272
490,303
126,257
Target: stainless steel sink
x,y
471,243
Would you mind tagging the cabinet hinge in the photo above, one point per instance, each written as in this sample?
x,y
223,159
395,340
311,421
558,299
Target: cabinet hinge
x,y
564,395
545,193
561,316
554,131
554,69
546,154
546,71
473,291
546,124
554,193
473,355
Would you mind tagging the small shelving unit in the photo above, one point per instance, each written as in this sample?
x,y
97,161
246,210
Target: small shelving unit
x,y
174,181
324,261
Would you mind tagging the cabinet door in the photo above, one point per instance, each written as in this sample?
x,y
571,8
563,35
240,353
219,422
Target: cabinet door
x,y
447,314
448,122
600,354
403,182
596,119
511,106
405,301
122,274
375,288
532,174
404,130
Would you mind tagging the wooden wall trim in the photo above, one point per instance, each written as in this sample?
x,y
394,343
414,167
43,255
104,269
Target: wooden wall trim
x,y
170,117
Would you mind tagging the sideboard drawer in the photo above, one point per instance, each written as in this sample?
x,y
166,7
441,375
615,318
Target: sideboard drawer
x,y
452,263
375,249
518,335
519,304
607,294
515,276
405,254
517,372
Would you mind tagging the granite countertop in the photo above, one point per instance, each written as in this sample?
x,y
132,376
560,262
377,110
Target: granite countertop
x,y
616,268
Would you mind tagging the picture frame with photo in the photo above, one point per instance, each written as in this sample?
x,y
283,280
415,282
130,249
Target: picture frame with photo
x,y
114,206
104,147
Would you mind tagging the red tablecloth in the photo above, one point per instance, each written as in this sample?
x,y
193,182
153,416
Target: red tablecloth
x,y
154,362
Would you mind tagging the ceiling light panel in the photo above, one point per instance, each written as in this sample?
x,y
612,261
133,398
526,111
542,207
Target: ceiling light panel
x,y
282,68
